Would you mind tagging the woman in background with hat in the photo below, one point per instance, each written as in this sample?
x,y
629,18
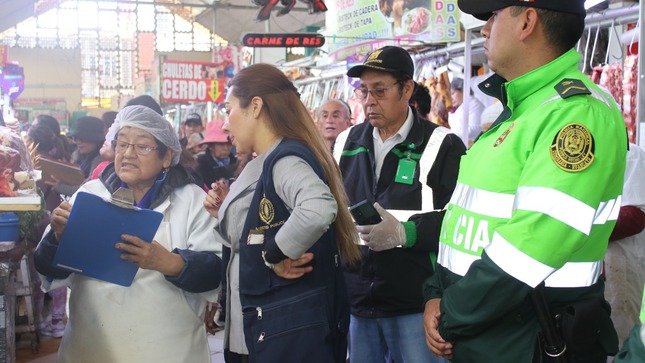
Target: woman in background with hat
x,y
193,131
88,137
218,162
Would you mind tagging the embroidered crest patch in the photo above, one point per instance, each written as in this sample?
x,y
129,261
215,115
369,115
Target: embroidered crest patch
x,y
573,148
374,57
267,212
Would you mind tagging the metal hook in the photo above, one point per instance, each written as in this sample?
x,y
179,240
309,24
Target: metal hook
x,y
593,50
584,64
609,36
620,45
638,24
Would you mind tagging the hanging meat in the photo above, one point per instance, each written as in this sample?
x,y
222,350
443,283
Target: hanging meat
x,y
439,88
629,87
612,80
595,75
9,164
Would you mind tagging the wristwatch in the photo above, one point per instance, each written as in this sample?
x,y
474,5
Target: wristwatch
x,y
267,263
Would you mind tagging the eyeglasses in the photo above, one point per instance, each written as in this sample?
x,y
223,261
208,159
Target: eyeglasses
x,y
140,149
377,93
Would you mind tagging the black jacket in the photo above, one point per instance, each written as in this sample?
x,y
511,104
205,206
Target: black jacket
x,y
388,283
211,172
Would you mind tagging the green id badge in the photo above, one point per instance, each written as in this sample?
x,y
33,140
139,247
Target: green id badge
x,y
405,171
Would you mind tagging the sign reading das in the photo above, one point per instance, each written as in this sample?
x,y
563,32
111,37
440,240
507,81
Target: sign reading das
x,y
278,40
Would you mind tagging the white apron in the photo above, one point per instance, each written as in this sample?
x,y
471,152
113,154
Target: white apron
x,y
150,321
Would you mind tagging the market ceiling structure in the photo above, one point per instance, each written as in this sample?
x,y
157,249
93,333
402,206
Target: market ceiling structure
x,y
230,19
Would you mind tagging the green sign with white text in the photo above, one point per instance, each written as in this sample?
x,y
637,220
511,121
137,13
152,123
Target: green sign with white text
x,y
360,26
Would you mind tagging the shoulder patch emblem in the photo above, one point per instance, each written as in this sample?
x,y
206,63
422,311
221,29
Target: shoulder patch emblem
x,y
573,148
266,212
570,87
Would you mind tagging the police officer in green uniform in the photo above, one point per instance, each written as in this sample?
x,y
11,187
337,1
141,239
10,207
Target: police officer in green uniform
x,y
536,199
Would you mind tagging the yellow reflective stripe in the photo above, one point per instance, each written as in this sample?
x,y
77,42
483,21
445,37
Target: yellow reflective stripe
x,y
575,274
607,211
557,205
455,260
483,202
516,263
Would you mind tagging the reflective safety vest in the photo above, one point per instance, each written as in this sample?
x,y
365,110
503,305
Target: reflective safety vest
x,y
540,191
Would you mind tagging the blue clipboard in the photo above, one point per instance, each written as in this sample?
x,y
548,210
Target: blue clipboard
x,y
94,226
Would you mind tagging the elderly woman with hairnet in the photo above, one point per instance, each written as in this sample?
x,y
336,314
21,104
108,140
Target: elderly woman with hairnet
x,y
159,317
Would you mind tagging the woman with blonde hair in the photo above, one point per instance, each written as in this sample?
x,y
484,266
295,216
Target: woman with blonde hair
x,y
286,224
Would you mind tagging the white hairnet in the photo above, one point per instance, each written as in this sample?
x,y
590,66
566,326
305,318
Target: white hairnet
x,y
148,120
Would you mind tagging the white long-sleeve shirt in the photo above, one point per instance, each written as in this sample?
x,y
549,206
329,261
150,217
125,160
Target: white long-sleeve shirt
x,y
458,123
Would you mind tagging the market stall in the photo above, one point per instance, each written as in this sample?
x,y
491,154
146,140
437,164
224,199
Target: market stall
x,y
331,81
18,193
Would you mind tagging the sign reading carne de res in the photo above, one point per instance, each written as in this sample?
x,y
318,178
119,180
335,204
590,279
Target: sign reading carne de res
x,y
278,40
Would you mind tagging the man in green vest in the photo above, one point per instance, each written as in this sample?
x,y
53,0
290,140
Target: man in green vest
x,y
536,199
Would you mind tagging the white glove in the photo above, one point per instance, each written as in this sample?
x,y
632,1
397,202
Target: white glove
x,y
385,235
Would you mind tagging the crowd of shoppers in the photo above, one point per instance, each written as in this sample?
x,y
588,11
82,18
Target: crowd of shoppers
x,y
476,251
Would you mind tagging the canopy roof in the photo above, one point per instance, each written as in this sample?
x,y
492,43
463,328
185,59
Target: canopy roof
x,y
229,19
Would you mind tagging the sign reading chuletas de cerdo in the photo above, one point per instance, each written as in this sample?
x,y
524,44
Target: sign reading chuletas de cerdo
x,y
192,82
